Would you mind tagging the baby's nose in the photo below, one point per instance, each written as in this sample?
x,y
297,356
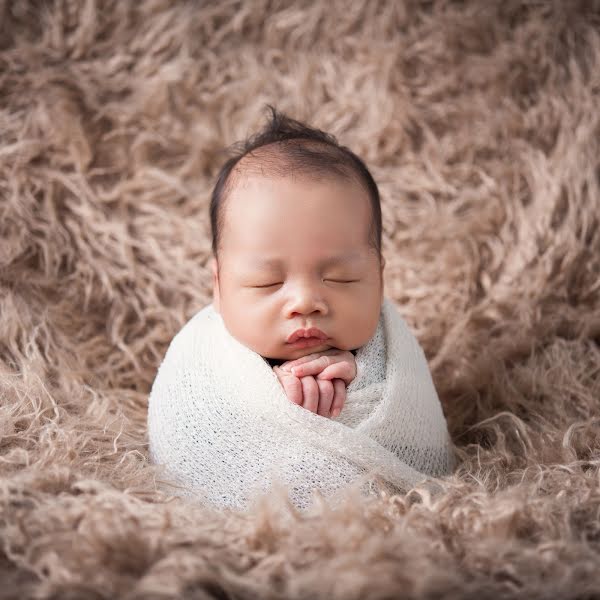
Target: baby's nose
x,y
306,302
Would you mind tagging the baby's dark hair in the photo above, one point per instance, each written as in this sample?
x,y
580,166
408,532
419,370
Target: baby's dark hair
x,y
299,149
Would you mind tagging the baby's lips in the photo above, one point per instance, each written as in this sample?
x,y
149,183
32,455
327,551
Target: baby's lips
x,y
310,332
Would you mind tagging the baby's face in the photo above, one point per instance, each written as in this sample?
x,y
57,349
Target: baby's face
x,y
295,255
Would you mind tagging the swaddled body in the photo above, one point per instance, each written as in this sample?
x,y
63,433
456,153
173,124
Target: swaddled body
x,y
227,435
298,278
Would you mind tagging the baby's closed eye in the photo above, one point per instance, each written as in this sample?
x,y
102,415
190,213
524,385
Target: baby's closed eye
x,y
342,280
278,283
267,285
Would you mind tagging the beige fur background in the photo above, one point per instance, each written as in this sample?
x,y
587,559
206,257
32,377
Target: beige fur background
x,y
480,121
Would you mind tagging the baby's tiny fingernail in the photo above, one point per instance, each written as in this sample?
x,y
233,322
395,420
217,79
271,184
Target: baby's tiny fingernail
x,y
336,412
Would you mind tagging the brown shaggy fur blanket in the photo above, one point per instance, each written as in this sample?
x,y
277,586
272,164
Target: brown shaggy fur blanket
x,y
481,122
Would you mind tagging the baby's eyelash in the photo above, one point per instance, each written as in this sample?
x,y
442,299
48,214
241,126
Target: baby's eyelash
x,y
268,285
342,281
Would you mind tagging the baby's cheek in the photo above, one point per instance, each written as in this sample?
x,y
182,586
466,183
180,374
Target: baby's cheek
x,y
361,327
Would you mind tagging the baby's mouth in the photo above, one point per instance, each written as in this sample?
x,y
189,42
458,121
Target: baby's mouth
x,y
311,333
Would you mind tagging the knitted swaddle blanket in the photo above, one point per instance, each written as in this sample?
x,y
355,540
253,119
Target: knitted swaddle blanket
x,y
220,422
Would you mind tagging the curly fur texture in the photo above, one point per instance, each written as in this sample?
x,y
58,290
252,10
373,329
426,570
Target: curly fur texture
x,y
480,123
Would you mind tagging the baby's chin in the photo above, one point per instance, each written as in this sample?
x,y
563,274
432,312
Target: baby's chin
x,y
291,353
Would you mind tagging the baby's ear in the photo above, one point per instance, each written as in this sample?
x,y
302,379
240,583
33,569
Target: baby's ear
x,y
215,280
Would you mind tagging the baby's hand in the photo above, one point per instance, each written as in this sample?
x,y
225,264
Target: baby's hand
x,y
318,381
329,364
321,396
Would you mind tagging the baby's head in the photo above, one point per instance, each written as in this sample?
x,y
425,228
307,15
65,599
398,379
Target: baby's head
x,y
296,225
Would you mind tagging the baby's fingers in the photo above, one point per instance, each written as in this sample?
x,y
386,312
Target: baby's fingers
x,y
291,385
339,397
325,397
312,367
340,370
310,392
288,365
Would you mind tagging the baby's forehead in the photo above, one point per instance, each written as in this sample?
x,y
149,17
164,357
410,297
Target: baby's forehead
x,y
269,173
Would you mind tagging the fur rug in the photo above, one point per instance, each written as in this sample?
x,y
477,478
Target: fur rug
x,y
480,121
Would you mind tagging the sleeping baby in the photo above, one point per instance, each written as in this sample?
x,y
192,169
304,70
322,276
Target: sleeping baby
x,y
300,370
297,267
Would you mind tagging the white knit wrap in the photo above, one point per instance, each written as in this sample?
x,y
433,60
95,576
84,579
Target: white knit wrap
x,y
220,421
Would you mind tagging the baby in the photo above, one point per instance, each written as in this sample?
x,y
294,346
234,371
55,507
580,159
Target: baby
x,y
297,263
298,285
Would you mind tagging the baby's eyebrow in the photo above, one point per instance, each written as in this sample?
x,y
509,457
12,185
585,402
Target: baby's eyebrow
x,y
266,263
342,259
273,263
